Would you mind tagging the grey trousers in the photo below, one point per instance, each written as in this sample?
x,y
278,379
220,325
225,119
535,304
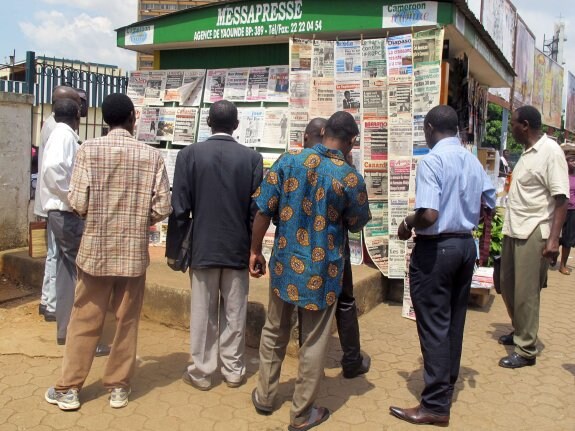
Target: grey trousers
x,y
50,268
315,329
523,275
218,322
67,229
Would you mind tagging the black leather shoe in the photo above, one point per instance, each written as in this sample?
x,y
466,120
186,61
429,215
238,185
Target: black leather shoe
x,y
516,361
358,371
49,316
102,350
506,340
41,309
419,416
61,341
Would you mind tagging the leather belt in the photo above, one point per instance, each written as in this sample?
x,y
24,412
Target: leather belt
x,y
442,236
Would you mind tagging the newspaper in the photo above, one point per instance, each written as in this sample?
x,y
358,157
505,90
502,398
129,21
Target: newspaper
x,y
204,131
278,84
374,97
348,60
148,125
322,98
258,84
396,258
378,225
426,88
137,114
400,140
297,123
185,127
137,87
375,138
407,310
398,210
189,90
166,123
155,88
373,58
236,84
399,56
170,157
399,102
355,248
378,249
427,47
299,90
348,94
300,54
215,85
174,80
420,147
275,128
251,129
399,172
375,175
323,59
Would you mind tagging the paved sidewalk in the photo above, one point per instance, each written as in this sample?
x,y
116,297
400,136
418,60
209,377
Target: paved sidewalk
x,y
487,398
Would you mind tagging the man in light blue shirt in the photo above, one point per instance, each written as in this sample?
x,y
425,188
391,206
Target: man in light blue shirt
x,y
451,186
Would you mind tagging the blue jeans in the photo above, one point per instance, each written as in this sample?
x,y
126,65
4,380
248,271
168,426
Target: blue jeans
x,y
48,297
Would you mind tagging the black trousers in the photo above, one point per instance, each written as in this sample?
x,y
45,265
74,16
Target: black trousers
x,y
346,319
440,279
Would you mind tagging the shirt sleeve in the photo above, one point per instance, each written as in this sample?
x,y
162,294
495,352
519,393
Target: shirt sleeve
x,y
161,207
57,165
427,186
267,195
79,194
357,213
557,175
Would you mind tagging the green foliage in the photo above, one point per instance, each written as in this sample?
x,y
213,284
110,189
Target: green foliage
x,y
496,237
493,130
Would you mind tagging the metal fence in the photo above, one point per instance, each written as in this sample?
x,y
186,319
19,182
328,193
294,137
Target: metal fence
x,y
13,86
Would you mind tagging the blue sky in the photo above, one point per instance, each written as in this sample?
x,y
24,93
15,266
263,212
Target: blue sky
x,y
84,29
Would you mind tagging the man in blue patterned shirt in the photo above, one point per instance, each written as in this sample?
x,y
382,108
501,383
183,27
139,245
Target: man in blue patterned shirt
x,y
315,196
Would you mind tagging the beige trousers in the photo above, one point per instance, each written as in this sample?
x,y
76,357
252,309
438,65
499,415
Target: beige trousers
x,y
315,329
86,324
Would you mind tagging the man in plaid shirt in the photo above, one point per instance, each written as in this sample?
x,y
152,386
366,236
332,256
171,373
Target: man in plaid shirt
x,y
120,186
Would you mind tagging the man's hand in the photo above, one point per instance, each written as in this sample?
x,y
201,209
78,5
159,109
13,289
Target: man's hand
x,y
551,250
403,232
257,265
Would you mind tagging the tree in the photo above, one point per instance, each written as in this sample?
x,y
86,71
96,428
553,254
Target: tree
x,y
493,130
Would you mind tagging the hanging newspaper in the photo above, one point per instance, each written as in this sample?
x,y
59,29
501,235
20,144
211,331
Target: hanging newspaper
x,y
378,225
322,98
278,84
373,58
299,90
348,60
184,86
215,85
204,131
378,249
399,103
375,138
258,84
407,310
399,172
137,87
155,88
251,129
400,140
148,125
323,59
398,210
297,124
236,84
170,157
426,88
374,98
396,258
399,56
420,147
185,127
137,114
348,94
300,54
269,159
166,123
355,248
427,47
275,128
375,175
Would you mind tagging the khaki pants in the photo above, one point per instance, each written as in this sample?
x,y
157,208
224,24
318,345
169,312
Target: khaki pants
x,y
523,274
315,328
86,323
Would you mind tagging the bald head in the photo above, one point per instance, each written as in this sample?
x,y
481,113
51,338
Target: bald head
x,y
312,134
64,92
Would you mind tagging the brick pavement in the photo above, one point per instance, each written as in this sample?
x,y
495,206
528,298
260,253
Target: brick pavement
x,y
487,397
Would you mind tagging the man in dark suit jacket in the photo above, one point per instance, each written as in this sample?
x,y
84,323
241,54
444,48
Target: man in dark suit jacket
x,y
213,183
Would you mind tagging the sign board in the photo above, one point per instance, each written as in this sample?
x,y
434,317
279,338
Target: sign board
x,y
141,35
409,14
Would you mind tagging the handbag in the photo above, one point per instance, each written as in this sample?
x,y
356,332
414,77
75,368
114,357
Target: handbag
x,y
182,262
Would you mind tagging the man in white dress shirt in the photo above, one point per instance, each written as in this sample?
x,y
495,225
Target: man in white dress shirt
x,y
56,172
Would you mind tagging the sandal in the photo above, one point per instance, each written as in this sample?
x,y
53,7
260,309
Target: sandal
x,y
317,416
260,408
565,271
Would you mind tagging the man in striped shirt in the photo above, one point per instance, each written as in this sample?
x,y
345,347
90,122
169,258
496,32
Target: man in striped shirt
x,y
120,186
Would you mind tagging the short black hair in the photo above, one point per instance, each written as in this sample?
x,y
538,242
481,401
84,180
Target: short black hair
x,y
65,110
530,114
116,109
223,115
443,118
341,125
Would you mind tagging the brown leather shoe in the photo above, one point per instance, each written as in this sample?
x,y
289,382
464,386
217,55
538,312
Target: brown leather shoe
x,y
419,416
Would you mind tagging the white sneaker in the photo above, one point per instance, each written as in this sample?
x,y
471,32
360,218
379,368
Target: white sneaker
x,y
119,397
65,400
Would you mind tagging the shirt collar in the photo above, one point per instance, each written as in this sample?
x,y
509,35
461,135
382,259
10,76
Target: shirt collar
x,y
119,132
537,146
324,151
453,140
